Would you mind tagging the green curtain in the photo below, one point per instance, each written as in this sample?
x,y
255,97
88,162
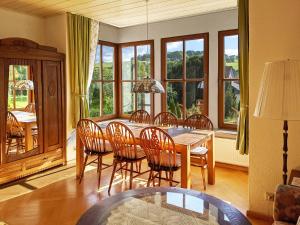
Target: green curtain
x,y
242,143
79,55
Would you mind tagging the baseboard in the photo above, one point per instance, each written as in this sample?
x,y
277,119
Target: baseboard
x,y
232,166
259,216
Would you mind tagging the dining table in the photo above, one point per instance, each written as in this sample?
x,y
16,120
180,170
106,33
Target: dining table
x,y
185,140
27,121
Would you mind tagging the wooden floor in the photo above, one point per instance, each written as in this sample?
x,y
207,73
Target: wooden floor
x,y
63,202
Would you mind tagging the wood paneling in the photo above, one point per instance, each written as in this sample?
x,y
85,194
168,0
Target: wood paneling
x,y
52,105
120,13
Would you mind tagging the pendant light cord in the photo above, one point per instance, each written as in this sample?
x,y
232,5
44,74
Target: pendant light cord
x,y
147,19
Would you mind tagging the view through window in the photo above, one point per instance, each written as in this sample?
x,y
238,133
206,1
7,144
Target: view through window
x,y
136,64
102,89
185,72
229,89
17,99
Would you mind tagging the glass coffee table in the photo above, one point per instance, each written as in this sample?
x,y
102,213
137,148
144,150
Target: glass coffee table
x,y
149,206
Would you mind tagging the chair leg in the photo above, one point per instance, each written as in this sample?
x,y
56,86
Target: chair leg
x,y
140,166
83,168
137,166
150,177
203,177
153,179
131,175
112,175
121,170
167,175
159,178
9,145
171,178
126,168
99,170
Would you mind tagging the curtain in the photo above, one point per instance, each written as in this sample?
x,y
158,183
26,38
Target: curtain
x,y
93,48
242,143
79,42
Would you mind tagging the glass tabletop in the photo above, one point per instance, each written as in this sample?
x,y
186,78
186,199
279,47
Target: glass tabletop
x,y
163,206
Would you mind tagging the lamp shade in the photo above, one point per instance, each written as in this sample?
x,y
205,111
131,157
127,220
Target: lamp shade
x,y
24,85
279,94
148,85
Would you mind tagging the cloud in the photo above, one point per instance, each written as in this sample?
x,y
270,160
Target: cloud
x,y
231,51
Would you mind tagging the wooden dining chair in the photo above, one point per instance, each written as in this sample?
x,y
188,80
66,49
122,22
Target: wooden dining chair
x,y
30,108
198,121
140,116
14,131
91,136
161,154
166,119
125,149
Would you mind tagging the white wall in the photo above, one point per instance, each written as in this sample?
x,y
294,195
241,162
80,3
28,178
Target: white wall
x,y
274,35
14,24
211,23
108,33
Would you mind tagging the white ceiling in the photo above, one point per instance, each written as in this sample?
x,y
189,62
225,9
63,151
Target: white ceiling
x,y
120,13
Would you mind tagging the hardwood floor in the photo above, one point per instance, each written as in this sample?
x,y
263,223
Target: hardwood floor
x,y
65,201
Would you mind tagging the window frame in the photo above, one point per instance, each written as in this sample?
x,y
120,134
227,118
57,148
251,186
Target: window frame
x,y
184,80
222,79
102,81
14,81
152,67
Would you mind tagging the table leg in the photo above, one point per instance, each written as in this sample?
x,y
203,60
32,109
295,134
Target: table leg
x,y
79,156
211,160
186,168
28,137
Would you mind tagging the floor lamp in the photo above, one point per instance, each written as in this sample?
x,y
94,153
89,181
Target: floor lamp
x,y
279,98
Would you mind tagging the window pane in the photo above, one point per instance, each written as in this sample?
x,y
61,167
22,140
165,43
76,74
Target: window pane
x,y
108,98
175,60
232,101
128,98
94,99
194,98
108,62
194,58
97,71
10,95
128,63
143,61
21,99
17,73
231,65
174,98
144,102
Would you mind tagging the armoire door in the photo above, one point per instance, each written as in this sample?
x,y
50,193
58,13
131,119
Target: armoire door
x,y
52,105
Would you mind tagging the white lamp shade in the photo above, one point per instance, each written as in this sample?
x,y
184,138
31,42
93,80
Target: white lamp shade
x,y
148,85
24,85
279,94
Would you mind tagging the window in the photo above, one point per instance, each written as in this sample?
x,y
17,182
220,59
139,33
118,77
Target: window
x,y
185,75
229,85
18,99
136,63
102,89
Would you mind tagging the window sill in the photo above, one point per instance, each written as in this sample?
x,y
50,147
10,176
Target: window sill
x,y
226,134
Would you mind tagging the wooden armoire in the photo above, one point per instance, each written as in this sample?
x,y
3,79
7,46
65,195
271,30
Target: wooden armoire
x,y
31,141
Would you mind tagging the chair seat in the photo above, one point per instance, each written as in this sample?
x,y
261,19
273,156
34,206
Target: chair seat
x,y
199,151
108,150
165,163
140,154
